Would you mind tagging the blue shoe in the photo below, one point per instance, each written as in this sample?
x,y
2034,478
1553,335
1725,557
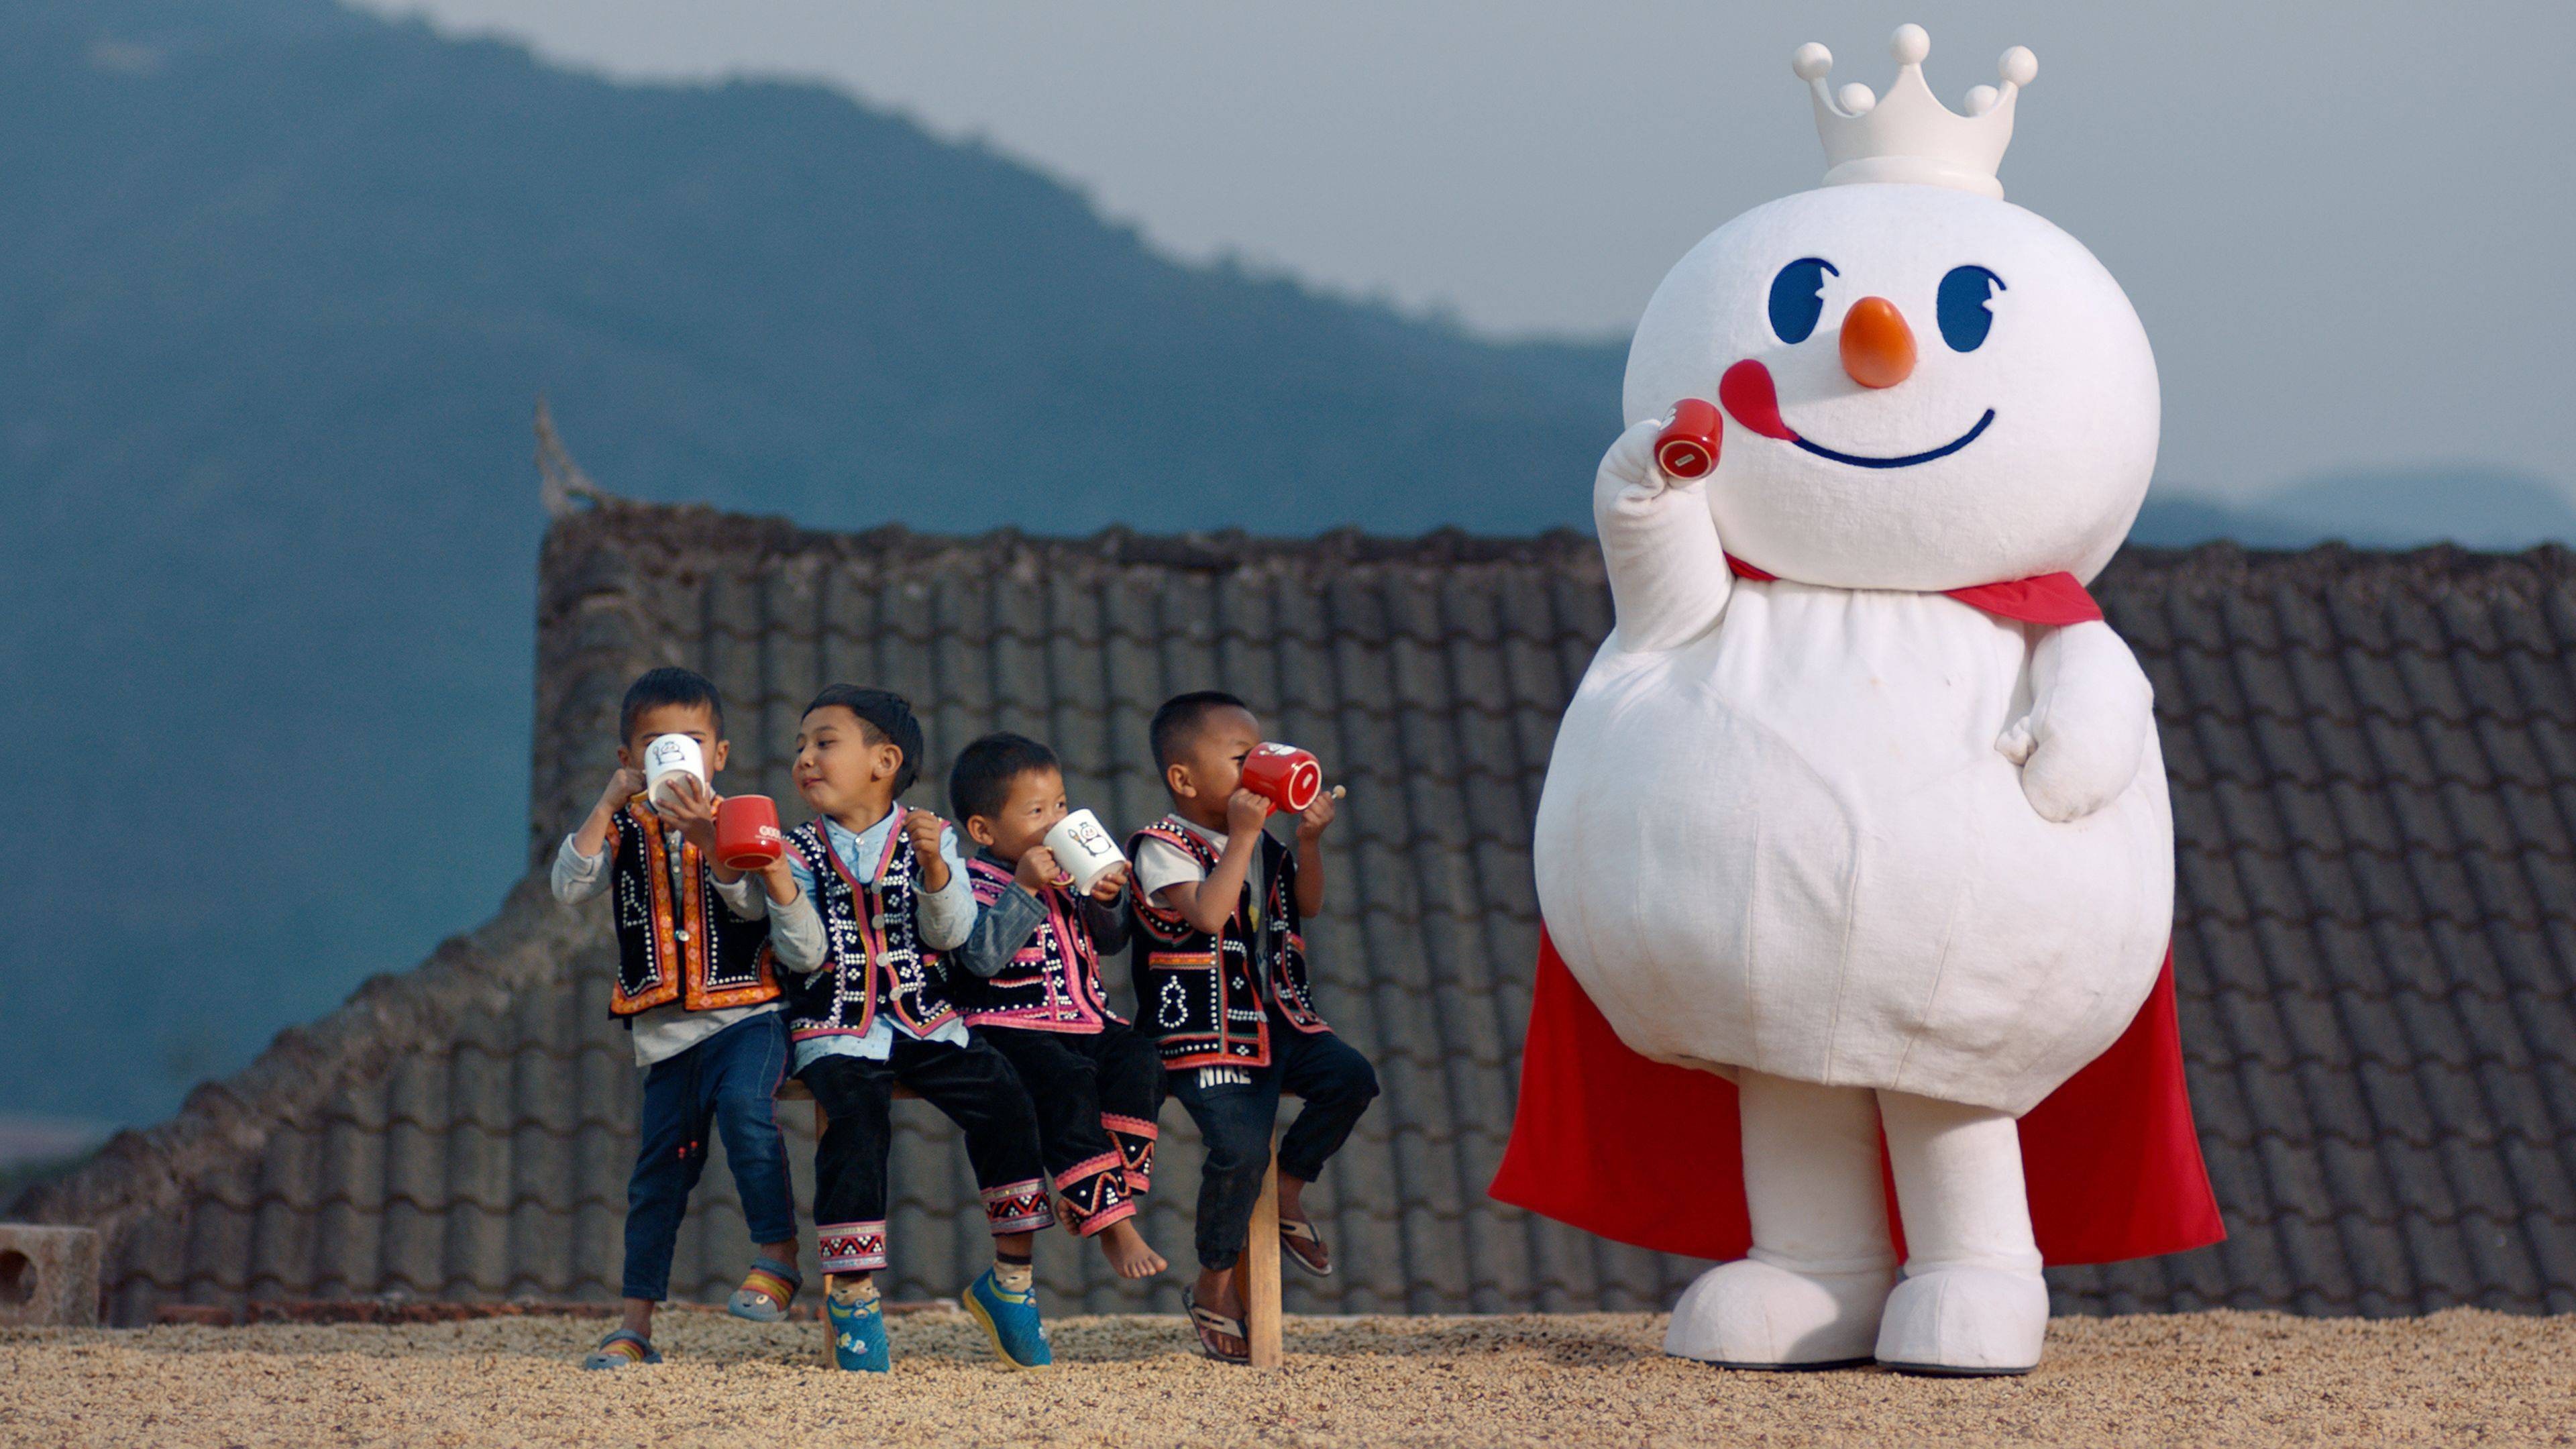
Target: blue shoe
x,y
858,1335
1011,1321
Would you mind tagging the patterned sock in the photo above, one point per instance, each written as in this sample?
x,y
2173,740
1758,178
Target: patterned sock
x,y
854,1292
1013,1273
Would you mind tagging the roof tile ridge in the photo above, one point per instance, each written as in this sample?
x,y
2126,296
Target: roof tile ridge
x,y
227,1123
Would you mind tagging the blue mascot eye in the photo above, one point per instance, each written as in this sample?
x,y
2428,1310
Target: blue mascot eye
x,y
1965,317
1798,298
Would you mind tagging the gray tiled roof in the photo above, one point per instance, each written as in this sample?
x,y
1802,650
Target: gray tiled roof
x,y
2374,770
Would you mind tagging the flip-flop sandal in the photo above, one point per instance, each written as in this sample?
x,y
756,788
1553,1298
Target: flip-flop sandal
x,y
1295,1235
622,1348
1212,1325
765,1292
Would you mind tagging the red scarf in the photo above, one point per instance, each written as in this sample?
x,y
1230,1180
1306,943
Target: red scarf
x,y
1650,1154
2051,599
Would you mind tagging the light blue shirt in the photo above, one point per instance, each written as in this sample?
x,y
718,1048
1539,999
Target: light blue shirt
x,y
943,918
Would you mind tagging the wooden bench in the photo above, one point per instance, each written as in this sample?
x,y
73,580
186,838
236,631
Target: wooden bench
x,y
1256,1273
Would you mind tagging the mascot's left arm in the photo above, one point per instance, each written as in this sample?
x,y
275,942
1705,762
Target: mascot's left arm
x,y
2091,710
1668,575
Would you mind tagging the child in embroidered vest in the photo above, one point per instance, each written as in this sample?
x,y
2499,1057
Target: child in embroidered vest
x,y
869,1011
1030,985
1221,981
700,1002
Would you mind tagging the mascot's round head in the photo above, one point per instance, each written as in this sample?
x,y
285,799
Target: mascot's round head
x,y
1924,387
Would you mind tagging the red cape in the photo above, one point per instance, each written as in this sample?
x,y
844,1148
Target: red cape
x,y
1650,1154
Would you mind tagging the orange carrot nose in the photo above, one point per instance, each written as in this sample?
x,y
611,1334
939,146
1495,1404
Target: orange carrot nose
x,y
1878,348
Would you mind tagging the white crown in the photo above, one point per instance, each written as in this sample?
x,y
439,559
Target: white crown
x,y
1910,136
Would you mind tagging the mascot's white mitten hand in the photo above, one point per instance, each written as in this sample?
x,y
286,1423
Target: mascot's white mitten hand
x,y
2086,733
1629,481
1668,578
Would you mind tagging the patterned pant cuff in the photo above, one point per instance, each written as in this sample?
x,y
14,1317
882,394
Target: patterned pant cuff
x,y
852,1247
1094,1194
1018,1207
1135,1138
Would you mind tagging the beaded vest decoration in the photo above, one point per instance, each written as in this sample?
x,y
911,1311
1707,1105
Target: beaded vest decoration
x,y
873,954
678,943
1052,983
1203,994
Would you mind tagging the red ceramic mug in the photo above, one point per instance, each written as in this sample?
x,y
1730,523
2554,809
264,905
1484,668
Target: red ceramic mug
x,y
1687,447
747,834
1287,776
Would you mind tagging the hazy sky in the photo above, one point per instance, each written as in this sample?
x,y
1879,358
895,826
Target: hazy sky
x,y
2347,226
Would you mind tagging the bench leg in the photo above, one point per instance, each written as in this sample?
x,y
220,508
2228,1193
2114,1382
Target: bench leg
x,y
1260,1275
823,1314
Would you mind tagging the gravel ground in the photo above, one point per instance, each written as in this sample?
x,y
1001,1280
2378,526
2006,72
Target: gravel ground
x,y
2215,1378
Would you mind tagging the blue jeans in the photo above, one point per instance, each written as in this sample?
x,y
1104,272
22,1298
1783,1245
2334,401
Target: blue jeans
x,y
1236,1107
729,1080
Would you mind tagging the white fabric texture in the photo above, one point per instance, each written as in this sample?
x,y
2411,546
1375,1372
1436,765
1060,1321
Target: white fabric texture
x,y
1838,826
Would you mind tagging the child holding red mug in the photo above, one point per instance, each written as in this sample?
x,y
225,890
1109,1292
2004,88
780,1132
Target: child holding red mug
x,y
1221,981
698,992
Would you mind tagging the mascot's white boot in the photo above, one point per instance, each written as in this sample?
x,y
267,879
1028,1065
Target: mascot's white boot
x,y
1810,1294
1973,1301
1815,1291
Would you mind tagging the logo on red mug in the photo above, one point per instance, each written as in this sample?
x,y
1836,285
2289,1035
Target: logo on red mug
x,y
1288,777
747,833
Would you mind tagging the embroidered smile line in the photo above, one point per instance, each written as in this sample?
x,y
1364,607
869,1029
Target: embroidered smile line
x,y
1747,394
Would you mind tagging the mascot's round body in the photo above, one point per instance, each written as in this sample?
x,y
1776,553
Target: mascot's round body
x,y
1777,831
1860,805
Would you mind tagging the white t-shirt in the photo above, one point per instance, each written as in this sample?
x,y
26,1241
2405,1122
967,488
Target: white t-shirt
x,y
1159,863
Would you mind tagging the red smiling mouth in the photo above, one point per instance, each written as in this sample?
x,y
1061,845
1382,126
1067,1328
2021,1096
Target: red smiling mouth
x,y
1745,391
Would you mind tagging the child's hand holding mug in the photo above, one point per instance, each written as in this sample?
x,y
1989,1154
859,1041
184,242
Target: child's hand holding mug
x,y
1038,870
1113,880
1312,820
1244,812
624,784
691,809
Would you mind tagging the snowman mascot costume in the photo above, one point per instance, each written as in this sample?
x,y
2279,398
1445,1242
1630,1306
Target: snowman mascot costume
x,y
1855,858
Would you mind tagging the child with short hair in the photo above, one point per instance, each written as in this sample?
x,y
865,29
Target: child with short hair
x,y
697,994
869,1011
1222,981
1031,986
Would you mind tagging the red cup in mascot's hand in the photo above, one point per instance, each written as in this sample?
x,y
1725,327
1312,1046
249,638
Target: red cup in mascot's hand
x,y
1687,447
747,835
1287,776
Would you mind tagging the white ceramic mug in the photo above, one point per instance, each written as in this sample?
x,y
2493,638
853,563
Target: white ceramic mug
x,y
1084,847
666,759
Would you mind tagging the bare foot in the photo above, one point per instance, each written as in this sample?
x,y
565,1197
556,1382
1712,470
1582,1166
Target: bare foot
x,y
1128,1252
1215,1292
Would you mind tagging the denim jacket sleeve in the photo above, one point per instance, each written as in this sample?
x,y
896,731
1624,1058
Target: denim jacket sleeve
x,y
1001,929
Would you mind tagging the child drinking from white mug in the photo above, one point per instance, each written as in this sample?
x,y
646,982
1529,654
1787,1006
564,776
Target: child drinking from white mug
x,y
1031,986
699,999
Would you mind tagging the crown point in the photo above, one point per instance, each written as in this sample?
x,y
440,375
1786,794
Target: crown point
x,y
2019,66
1981,99
1812,62
1856,99
1909,44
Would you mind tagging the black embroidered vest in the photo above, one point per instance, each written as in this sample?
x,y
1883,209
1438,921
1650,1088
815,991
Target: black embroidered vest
x,y
1204,996
685,946
1053,983
873,956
